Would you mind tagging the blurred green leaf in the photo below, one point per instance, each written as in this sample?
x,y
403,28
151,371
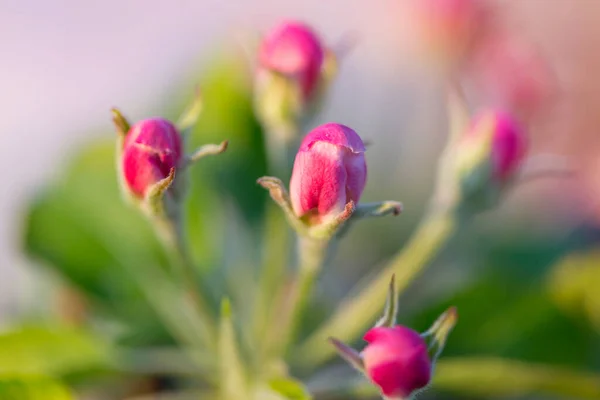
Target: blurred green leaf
x,y
83,230
52,350
232,378
289,389
228,115
503,316
32,388
574,285
501,377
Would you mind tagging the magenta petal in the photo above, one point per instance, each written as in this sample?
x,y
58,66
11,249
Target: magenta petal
x,y
396,360
142,169
333,133
158,134
329,171
356,171
318,181
152,148
400,377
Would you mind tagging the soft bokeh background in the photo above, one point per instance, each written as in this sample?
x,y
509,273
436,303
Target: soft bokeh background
x,y
66,63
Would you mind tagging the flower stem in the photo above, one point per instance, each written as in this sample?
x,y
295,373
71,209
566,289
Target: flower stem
x,y
312,254
170,230
360,310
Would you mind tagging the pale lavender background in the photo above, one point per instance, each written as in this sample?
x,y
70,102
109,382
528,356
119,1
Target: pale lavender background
x,y
64,63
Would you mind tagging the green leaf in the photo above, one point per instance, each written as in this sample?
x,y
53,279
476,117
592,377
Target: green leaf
x,y
502,316
228,115
52,350
32,388
573,285
289,389
501,377
232,374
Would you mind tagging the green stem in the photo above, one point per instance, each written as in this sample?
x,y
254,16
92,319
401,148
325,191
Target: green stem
x,y
170,230
360,310
312,254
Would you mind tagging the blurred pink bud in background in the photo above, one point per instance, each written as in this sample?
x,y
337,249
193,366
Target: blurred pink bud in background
x,y
294,50
329,171
447,29
396,360
507,140
152,148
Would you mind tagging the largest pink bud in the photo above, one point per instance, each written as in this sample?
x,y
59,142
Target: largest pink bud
x,y
329,171
396,360
152,148
294,50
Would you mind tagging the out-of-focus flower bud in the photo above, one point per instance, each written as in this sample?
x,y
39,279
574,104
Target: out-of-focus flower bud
x,y
506,139
511,74
294,50
448,29
292,76
396,360
329,172
152,149
488,156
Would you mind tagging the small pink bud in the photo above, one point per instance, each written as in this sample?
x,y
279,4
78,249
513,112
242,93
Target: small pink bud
x,y
329,171
294,50
152,148
508,143
396,360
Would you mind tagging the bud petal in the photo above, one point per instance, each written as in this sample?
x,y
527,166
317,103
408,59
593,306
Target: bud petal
x,y
508,145
329,172
487,158
151,150
396,360
293,75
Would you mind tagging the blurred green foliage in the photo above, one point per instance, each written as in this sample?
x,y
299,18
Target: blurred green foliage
x,y
32,388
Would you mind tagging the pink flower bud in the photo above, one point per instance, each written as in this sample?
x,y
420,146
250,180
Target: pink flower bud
x,y
329,171
508,143
396,360
152,148
294,50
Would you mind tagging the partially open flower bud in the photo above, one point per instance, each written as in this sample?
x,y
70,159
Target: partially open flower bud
x,y
329,171
151,149
396,360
